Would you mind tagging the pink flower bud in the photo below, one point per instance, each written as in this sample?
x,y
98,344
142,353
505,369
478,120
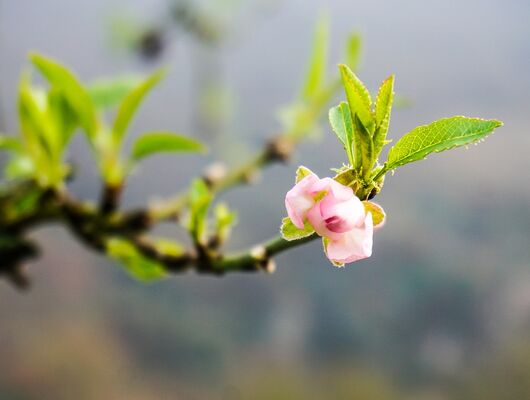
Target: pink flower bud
x,y
335,213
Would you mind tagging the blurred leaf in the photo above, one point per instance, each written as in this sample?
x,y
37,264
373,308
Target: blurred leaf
x,y
342,125
64,118
28,203
438,136
383,107
225,219
158,142
130,104
74,92
167,247
136,264
302,172
11,144
19,167
358,97
316,74
200,199
352,55
290,232
41,142
378,214
33,123
107,93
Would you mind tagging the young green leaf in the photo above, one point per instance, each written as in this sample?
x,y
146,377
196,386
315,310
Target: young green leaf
x,y
440,135
62,116
107,93
358,97
353,51
317,66
383,107
130,104
366,145
19,167
11,144
225,219
342,125
158,142
200,199
136,264
290,232
167,247
74,92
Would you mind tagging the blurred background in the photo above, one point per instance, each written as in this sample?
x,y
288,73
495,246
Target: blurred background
x,y
441,310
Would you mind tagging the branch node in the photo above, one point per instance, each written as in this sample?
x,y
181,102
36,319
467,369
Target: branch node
x,y
279,149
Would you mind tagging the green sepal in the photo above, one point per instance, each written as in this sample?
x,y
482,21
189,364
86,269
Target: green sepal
x,y
302,172
378,214
291,232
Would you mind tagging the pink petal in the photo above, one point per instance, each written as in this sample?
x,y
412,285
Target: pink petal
x,y
299,200
342,216
353,245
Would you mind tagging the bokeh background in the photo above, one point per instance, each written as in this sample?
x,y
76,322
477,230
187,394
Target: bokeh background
x,y
441,310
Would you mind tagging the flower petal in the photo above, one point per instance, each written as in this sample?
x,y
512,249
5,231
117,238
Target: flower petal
x,y
299,200
353,245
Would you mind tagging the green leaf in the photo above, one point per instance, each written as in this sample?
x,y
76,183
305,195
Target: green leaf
x,y
130,104
107,93
317,65
200,199
302,172
19,167
41,142
378,214
136,264
363,137
74,92
353,51
167,247
158,142
383,107
290,232
358,97
63,116
342,125
440,135
225,219
11,144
